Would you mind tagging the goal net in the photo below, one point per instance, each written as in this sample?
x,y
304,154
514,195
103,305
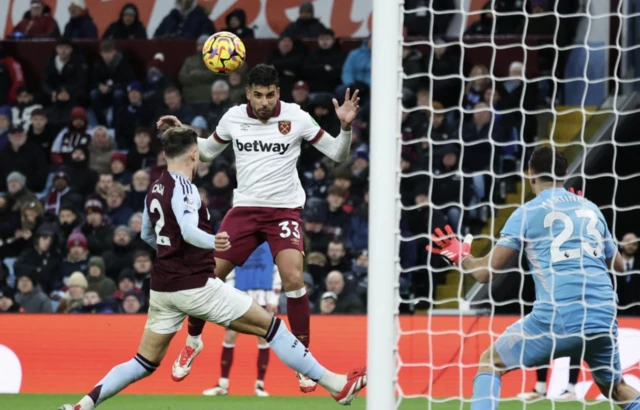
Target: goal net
x,y
470,88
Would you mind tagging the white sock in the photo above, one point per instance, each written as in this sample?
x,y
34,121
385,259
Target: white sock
x,y
297,293
224,383
194,341
541,387
333,382
571,388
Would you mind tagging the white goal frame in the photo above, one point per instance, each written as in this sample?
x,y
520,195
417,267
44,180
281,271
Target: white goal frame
x,y
384,232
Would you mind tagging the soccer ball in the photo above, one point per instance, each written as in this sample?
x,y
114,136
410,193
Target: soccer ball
x,y
223,53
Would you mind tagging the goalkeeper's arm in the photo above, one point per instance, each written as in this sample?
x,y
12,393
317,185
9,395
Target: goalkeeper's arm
x,y
500,258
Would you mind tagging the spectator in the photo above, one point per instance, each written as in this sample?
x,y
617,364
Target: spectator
x,y
8,302
318,182
142,270
443,61
97,228
237,93
42,258
412,65
131,303
477,157
136,113
360,172
322,112
67,68
61,193
11,78
450,190
156,81
92,303
328,302
301,95
356,280
357,236
199,124
138,193
83,178
105,286
76,287
41,132
347,302
418,17
175,106
627,283
118,212
119,170
143,155
59,112
478,83
101,149
135,228
24,107
219,104
221,193
195,78
111,76
120,256
337,219
484,26
356,71
25,157
524,96
5,124
80,25
323,67
128,26
315,238
75,136
186,20
30,296
37,22
306,26
337,257
68,222
19,228
287,58
18,195
237,24
126,283
441,136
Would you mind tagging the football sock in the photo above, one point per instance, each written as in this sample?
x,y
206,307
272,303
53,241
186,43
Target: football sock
x,y
541,387
292,353
224,383
117,379
263,360
486,392
634,405
298,313
195,326
226,360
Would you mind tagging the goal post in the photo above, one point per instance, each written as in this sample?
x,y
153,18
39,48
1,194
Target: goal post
x,y
386,72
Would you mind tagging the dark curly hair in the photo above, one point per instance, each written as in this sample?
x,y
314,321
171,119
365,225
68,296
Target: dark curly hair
x,y
548,164
263,75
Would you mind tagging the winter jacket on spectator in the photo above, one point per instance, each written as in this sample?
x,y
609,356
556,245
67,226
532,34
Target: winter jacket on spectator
x,y
484,26
412,63
42,26
138,160
128,26
42,258
304,28
5,113
100,237
101,307
196,79
20,198
513,97
357,67
357,237
31,297
75,136
214,112
58,115
29,160
477,157
419,23
442,62
11,78
118,259
322,111
67,267
139,188
128,118
239,27
81,27
83,178
69,221
105,286
118,72
101,149
62,195
74,75
449,187
185,112
8,293
120,215
9,220
43,136
190,23
315,68
317,182
287,58
348,302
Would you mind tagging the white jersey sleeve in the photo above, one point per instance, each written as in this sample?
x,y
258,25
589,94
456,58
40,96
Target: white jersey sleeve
x,y
222,134
310,130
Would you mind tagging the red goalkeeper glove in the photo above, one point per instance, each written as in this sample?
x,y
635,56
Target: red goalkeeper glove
x,y
449,245
578,192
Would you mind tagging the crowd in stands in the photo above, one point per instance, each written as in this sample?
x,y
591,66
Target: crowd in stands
x,y
77,157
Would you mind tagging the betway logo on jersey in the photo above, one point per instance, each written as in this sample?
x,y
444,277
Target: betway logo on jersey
x,y
259,146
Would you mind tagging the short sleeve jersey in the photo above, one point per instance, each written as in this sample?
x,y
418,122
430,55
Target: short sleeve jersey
x,y
566,241
267,154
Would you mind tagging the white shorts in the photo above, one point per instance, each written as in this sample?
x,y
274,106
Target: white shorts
x,y
214,302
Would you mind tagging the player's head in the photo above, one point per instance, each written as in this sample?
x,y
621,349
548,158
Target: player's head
x,y
547,167
180,145
263,91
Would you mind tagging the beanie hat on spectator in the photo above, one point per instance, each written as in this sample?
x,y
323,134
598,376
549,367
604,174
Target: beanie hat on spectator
x,y
62,174
8,292
127,274
78,113
5,111
119,156
99,262
15,129
77,279
68,206
77,239
133,293
135,86
327,295
46,229
78,3
18,177
307,6
64,41
27,273
301,85
540,3
124,228
158,62
199,122
93,206
362,155
327,32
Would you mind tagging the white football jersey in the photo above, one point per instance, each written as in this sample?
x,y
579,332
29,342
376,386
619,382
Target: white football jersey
x,y
267,153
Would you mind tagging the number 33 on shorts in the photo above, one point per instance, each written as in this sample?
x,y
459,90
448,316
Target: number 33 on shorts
x,y
290,228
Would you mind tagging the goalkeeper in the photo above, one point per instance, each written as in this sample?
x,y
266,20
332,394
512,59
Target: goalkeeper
x,y
569,248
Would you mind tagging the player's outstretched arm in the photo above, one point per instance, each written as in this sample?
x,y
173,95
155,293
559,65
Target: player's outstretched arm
x,y
500,258
338,148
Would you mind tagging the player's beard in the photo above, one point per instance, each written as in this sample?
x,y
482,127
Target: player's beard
x,y
263,113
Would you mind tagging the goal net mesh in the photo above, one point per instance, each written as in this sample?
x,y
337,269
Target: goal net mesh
x,y
475,103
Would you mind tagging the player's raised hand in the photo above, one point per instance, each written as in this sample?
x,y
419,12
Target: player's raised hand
x,y
578,192
222,242
168,121
348,111
449,246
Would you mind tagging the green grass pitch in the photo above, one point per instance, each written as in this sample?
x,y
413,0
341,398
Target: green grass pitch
x,y
148,402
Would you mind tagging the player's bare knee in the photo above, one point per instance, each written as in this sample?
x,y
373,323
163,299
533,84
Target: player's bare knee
x,y
490,362
292,280
230,336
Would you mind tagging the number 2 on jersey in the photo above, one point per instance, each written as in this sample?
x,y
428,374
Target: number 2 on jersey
x,y
160,240
557,254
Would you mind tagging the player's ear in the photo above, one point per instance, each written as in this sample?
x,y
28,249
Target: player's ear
x,y
247,93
